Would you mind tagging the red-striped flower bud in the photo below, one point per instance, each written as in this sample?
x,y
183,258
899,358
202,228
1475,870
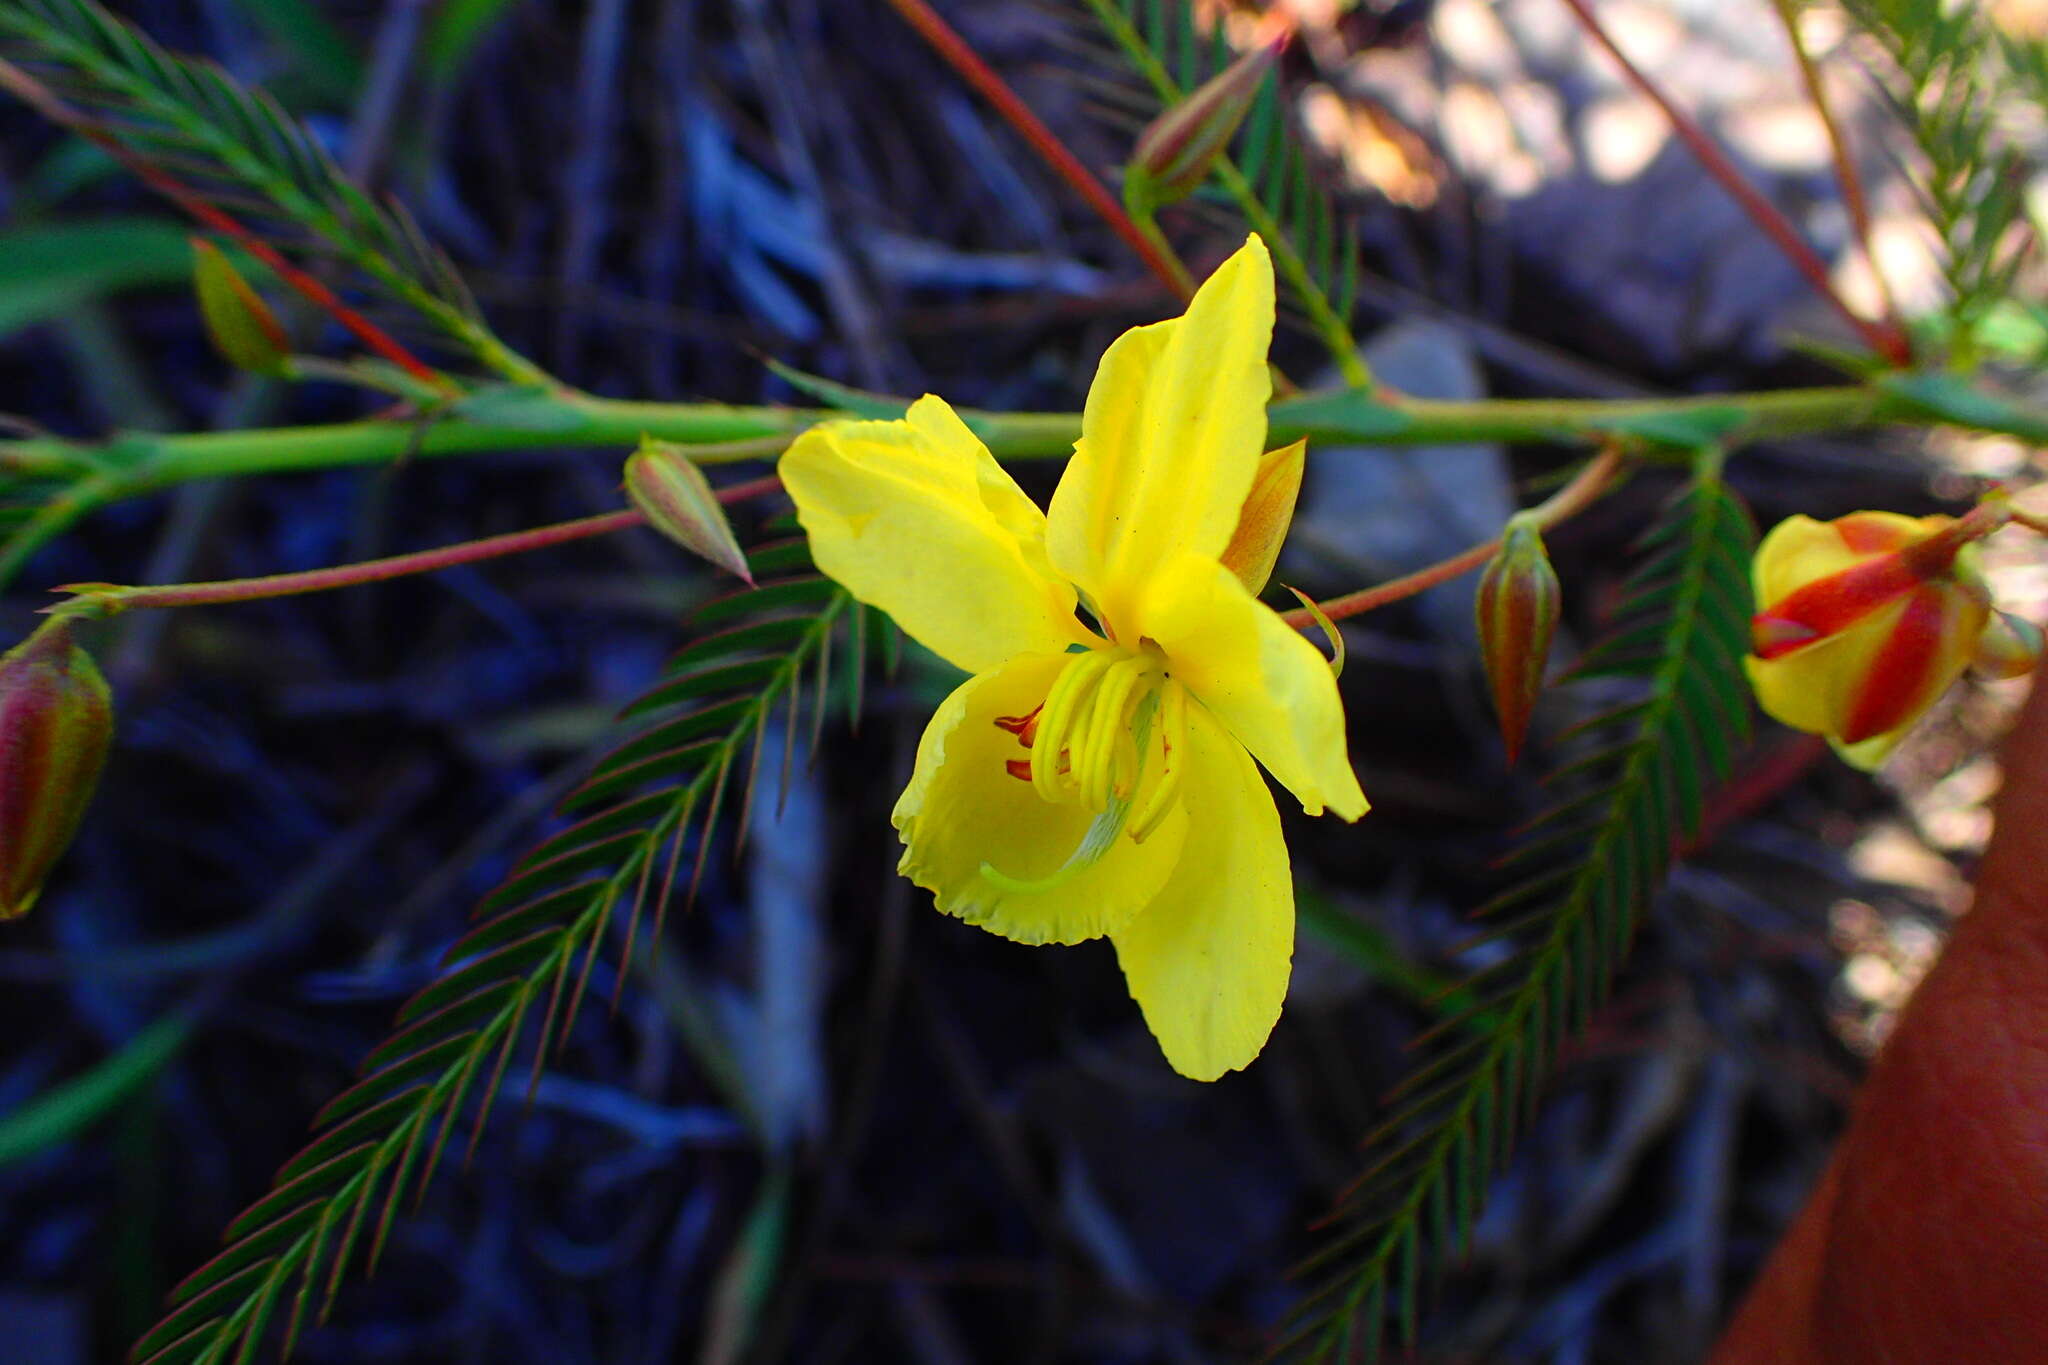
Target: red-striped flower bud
x,y
1517,609
56,721
1177,149
1863,622
672,493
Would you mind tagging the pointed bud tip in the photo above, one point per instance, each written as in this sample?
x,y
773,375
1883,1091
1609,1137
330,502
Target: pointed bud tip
x,y
670,490
1516,609
1177,150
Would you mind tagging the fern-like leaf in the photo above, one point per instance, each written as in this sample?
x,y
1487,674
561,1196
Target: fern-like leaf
x,y
333,1204
231,144
1605,846
1271,179
1958,79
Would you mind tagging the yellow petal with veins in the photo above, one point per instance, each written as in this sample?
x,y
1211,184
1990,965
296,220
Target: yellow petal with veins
x,y
962,810
1170,439
1259,676
1268,511
1208,960
917,518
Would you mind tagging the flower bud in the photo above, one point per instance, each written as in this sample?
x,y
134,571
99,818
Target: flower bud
x,y
56,721
670,490
1177,149
1517,609
240,324
1863,622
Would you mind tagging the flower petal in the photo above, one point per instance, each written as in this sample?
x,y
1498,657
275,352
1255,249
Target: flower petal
x,y
1800,550
1170,438
1208,960
917,518
1268,511
1259,676
1826,688
962,810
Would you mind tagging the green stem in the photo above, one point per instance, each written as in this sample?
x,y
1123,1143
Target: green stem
x,y
1740,417
1334,331
1147,224
141,463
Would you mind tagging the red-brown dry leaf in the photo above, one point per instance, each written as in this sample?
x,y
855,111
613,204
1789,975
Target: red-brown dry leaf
x,y
1926,1242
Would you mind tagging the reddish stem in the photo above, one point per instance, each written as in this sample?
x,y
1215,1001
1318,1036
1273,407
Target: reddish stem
x,y
45,102
1846,175
1586,486
2038,525
977,73
1883,338
91,596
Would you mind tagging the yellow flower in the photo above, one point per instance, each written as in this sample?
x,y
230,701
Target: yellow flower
x,y
1096,777
1864,622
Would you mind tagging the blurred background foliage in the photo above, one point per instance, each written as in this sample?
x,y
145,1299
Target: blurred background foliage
x,y
826,1124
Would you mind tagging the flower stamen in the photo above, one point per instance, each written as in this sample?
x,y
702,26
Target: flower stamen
x,y
1174,745
1099,760
1067,702
1024,727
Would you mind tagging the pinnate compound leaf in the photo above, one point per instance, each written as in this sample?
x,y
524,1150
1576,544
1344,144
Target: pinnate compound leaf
x,y
332,1206
224,144
1620,818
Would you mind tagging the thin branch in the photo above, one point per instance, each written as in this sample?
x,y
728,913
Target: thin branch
x,y
1846,175
1584,489
1334,331
717,433
1884,338
96,599
977,73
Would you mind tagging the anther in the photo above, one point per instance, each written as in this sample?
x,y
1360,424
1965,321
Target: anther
x,y
1024,727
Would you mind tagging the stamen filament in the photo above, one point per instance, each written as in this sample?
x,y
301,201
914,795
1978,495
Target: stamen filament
x,y
1174,718
1071,692
1102,832
1095,768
